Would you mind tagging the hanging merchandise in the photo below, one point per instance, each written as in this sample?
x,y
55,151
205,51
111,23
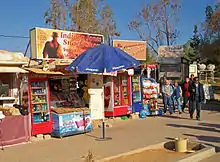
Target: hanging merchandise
x,y
150,95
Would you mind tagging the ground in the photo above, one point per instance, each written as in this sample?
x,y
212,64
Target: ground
x,y
126,135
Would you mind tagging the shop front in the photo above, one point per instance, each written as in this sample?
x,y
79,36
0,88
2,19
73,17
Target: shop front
x,y
11,116
57,103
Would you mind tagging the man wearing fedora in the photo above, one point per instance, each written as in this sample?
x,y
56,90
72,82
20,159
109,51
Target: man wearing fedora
x,y
52,49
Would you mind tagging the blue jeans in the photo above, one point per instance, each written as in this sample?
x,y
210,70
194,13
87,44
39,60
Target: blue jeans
x,y
176,101
195,105
168,102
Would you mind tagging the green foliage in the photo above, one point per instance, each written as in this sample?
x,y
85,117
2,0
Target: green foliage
x,y
191,48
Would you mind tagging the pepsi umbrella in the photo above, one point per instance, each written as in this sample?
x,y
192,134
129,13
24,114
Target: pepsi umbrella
x,y
101,59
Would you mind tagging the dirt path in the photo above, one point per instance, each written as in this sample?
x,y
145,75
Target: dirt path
x,y
126,136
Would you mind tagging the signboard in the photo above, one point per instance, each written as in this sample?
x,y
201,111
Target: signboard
x,y
60,44
209,94
193,70
171,51
136,49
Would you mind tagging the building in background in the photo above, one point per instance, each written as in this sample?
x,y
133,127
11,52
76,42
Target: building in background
x,y
170,62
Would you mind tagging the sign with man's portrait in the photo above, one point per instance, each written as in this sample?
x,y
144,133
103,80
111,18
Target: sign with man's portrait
x,y
60,44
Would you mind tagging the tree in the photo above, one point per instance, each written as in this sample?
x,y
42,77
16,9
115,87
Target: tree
x,y
56,15
90,16
210,47
211,25
108,24
155,23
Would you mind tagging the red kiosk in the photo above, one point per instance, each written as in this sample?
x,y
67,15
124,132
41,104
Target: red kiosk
x,y
117,95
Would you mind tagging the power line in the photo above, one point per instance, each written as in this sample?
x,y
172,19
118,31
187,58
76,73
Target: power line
x,y
13,36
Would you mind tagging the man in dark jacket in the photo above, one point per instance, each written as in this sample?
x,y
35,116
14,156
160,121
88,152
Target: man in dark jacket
x,y
197,97
186,93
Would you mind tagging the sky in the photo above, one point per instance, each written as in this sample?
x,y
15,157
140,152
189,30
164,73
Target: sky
x,y
19,16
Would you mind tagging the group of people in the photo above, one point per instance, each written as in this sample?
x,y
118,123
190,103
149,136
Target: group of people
x,y
192,92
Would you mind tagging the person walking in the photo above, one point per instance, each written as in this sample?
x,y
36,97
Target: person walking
x,y
191,80
197,97
186,93
167,92
177,93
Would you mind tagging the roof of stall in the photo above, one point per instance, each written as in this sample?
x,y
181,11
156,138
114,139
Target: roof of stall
x,y
41,71
12,58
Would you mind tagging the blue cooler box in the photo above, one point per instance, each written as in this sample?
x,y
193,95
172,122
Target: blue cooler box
x,y
71,123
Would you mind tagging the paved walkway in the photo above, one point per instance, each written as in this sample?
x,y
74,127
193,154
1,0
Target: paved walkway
x,y
127,135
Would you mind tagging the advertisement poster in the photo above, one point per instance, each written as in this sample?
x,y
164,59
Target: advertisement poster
x,y
71,123
60,44
136,49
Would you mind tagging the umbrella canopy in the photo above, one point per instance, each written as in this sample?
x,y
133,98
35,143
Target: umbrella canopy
x,y
101,59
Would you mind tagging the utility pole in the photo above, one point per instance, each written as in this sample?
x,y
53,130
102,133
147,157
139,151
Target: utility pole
x,y
77,15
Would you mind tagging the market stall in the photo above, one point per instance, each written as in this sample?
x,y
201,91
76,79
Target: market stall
x,y
117,94
15,118
54,98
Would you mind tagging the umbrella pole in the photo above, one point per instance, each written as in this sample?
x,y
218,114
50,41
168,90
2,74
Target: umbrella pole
x,y
103,138
103,128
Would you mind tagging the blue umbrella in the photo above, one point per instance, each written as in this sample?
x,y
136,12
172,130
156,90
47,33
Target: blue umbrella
x,y
103,58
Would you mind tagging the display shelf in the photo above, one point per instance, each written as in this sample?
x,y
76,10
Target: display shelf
x,y
41,111
39,94
37,87
36,103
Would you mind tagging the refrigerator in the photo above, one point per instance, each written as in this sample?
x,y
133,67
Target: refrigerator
x,y
119,92
39,105
137,105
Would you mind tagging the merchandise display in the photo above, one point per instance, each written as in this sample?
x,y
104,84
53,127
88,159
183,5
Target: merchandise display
x,y
64,93
150,95
71,121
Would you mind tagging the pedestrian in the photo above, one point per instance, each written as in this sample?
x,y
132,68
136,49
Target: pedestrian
x,y
191,80
177,93
197,97
186,93
167,92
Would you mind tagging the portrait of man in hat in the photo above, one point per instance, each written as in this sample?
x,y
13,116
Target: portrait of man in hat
x,y
52,49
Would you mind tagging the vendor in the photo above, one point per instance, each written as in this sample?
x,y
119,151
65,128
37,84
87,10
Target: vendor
x,y
86,94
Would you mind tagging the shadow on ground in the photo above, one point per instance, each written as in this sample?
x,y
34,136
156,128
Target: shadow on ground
x,y
194,127
174,117
210,125
206,139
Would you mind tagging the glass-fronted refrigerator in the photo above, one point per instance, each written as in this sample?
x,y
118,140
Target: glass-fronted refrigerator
x,y
40,106
117,95
136,91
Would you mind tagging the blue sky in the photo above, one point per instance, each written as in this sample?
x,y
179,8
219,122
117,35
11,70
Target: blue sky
x,y
18,16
